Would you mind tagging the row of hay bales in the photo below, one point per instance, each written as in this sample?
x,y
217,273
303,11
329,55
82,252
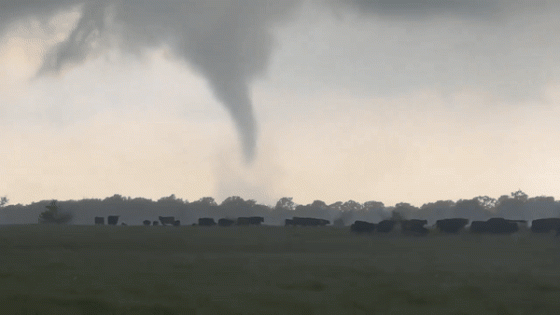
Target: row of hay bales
x,y
294,221
304,221
456,225
164,221
114,219
225,222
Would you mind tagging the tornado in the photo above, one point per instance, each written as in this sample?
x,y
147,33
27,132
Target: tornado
x,y
228,42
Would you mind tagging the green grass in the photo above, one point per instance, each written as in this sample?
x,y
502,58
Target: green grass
x,y
272,270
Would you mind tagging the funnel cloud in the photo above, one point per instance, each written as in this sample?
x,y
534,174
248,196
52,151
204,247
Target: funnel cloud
x,y
228,42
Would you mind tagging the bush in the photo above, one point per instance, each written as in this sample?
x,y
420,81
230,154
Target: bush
x,y
53,215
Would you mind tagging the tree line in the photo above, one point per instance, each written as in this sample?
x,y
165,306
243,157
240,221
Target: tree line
x,y
516,206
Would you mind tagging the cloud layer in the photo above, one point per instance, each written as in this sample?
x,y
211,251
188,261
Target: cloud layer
x,y
424,7
471,8
228,42
390,100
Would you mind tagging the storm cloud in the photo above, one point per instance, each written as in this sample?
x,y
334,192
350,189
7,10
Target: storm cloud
x,y
228,42
361,100
423,8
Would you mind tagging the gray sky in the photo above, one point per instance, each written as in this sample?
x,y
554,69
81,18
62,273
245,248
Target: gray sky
x,y
392,101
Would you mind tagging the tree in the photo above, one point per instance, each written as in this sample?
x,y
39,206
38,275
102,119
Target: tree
x,y
351,205
53,215
433,211
519,195
316,209
373,211
337,206
470,209
397,216
486,202
207,201
370,205
513,207
3,201
235,205
285,203
541,207
237,202
170,199
116,198
402,211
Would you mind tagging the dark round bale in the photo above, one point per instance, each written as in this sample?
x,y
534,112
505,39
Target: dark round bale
x,y
249,220
479,227
225,222
451,225
167,220
206,222
414,226
545,225
112,219
362,227
502,226
385,226
309,221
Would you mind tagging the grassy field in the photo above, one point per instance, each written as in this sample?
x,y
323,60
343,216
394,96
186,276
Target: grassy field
x,y
272,270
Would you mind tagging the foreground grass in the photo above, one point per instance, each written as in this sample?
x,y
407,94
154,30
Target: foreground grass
x,y
272,270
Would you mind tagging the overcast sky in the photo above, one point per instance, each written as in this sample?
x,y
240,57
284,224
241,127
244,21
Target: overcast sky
x,y
394,101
